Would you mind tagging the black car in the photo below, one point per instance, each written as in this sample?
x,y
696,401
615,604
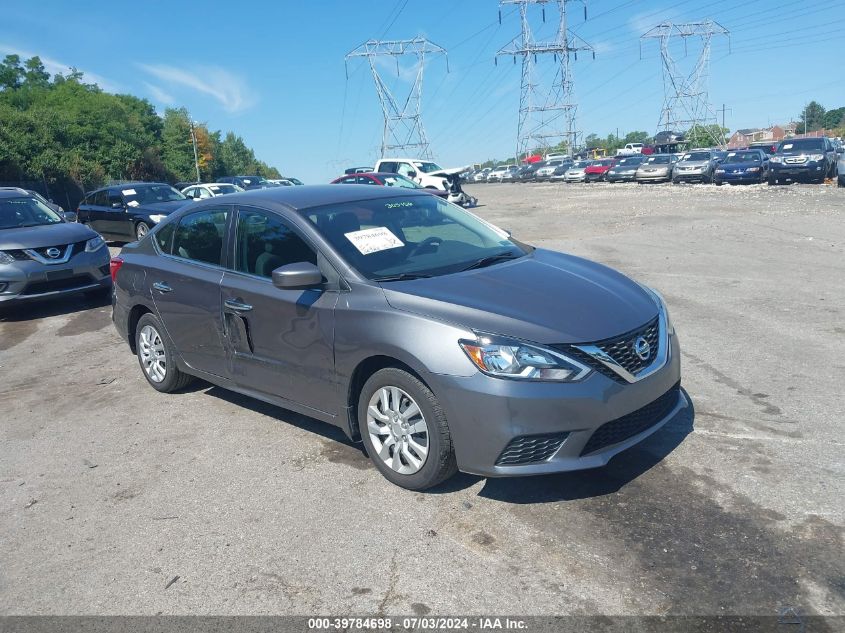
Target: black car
x,y
124,213
807,159
247,182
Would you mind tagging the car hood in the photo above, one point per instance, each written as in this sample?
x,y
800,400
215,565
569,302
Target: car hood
x,y
546,297
654,166
739,165
692,163
163,208
47,235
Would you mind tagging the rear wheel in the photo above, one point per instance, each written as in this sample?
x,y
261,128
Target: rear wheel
x,y
773,180
141,230
405,430
157,357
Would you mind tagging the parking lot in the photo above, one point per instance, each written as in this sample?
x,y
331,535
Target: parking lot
x,y
116,499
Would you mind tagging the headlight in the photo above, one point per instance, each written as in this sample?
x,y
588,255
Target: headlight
x,y
753,169
157,218
720,171
775,159
661,305
816,157
95,243
5,258
507,358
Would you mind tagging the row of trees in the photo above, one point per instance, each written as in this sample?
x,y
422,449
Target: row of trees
x,y
62,131
815,117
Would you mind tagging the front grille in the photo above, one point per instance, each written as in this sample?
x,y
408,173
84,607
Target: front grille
x,y
530,449
19,255
621,349
40,287
628,426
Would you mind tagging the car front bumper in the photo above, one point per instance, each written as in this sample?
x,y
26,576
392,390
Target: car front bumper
x,y
690,176
29,280
489,415
738,178
653,176
798,171
621,176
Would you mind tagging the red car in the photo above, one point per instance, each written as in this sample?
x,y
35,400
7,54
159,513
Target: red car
x,y
598,169
385,180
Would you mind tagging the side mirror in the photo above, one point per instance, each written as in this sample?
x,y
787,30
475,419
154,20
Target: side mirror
x,y
116,205
412,174
298,276
69,216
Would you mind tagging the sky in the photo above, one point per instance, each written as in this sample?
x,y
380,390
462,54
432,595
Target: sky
x,y
273,72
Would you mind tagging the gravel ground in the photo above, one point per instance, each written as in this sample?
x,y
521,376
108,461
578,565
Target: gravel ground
x,y
115,499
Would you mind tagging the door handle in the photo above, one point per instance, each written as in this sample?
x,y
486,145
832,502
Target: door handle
x,y
161,286
237,306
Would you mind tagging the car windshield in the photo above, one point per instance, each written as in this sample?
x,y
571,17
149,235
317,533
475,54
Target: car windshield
x,y
604,163
696,156
659,160
631,160
802,145
427,168
219,190
396,180
150,194
16,213
249,181
581,164
411,236
743,157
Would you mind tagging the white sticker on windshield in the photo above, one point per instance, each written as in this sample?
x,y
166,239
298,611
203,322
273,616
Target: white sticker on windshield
x,y
731,154
132,203
128,192
374,240
787,146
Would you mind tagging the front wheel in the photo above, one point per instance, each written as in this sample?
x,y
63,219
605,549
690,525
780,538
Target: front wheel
x,y
141,230
772,180
405,430
157,357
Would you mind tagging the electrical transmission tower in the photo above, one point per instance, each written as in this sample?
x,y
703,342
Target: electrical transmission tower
x,y
403,129
547,113
685,101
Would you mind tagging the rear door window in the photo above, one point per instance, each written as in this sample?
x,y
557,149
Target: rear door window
x,y
200,236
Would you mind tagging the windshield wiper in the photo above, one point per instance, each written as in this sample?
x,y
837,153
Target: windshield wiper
x,y
403,277
490,259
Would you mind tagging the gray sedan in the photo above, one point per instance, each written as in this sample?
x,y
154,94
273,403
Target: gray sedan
x,y
432,336
42,255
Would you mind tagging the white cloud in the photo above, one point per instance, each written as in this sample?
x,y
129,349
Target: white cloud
x,y
228,89
159,95
54,67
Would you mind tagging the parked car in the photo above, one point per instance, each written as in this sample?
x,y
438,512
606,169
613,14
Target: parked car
x,y
743,167
209,190
625,168
382,312
597,170
559,174
840,170
280,182
529,172
386,180
696,166
545,172
656,168
481,176
124,213
42,255
555,156
576,172
510,174
803,159
768,147
295,181
496,173
246,183
424,172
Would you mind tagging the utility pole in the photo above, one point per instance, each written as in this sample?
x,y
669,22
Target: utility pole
x,y
723,114
194,141
685,99
541,109
403,130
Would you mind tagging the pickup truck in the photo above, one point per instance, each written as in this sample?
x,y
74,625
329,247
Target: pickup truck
x,y
630,149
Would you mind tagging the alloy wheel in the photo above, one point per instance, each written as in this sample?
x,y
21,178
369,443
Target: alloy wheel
x,y
151,351
141,231
398,430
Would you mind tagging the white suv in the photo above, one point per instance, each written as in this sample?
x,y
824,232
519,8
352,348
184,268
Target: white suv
x,y
423,172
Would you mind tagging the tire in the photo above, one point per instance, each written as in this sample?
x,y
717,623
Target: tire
x,y
141,230
391,393
675,181
773,180
718,183
151,343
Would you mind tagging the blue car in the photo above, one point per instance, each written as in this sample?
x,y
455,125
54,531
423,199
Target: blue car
x,y
743,167
803,159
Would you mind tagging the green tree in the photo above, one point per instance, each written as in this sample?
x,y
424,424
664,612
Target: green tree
x,y
11,72
834,118
177,151
812,117
706,135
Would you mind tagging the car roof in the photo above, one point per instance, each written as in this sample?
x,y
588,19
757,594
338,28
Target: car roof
x,y
309,196
126,185
14,192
